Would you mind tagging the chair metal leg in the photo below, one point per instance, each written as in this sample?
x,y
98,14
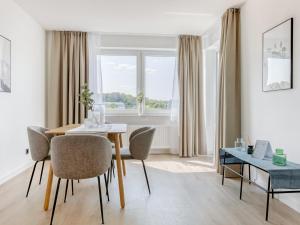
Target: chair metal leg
x,y
72,187
113,168
78,181
42,172
55,200
31,178
66,191
108,176
106,186
100,197
146,177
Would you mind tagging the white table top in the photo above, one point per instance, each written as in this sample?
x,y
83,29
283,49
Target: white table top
x,y
105,128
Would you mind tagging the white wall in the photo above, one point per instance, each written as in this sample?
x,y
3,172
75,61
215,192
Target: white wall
x,y
273,116
138,41
25,104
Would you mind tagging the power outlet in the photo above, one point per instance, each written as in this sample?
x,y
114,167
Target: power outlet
x,y
26,151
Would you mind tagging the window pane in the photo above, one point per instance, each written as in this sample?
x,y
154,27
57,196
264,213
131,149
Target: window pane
x,y
159,75
119,75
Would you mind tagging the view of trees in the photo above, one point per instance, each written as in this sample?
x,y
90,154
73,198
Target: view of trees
x,y
118,100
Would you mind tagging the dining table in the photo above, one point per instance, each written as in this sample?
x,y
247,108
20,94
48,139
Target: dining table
x,y
113,132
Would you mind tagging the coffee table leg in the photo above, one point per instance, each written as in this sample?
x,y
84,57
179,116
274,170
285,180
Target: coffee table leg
x,y
268,199
49,188
119,170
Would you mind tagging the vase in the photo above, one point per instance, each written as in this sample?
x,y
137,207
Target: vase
x,y
99,113
140,109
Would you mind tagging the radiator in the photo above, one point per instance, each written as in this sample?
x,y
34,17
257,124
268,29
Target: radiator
x,y
160,141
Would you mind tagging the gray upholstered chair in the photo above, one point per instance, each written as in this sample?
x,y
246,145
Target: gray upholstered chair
x,y
140,142
80,157
39,145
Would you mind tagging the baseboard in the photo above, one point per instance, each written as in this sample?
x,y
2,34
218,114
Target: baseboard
x,y
15,172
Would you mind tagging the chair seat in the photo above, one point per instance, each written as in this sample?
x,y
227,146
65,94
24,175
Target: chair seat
x,y
125,153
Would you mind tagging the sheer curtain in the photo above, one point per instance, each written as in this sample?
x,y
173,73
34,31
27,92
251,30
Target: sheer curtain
x,y
174,117
95,78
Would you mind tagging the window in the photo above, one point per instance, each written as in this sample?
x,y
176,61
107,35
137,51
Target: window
x,y
125,74
159,75
119,81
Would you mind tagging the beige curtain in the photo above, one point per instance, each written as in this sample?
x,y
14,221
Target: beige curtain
x,y
191,113
229,108
67,71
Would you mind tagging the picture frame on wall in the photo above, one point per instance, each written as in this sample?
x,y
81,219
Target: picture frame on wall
x,y
5,64
278,57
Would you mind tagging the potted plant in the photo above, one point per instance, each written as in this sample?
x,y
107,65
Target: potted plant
x,y
88,102
139,100
86,97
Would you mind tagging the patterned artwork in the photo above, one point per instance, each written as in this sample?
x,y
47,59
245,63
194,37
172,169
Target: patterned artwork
x,y
5,65
277,57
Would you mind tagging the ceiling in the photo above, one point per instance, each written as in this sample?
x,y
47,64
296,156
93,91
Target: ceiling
x,y
163,17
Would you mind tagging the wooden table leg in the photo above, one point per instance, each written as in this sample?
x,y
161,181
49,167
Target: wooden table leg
x,y
123,161
123,167
49,188
119,170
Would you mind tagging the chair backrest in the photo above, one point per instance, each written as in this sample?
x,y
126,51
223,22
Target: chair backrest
x,y
80,156
140,144
139,130
39,143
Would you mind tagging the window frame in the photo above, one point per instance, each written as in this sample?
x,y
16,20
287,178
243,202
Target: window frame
x,y
141,75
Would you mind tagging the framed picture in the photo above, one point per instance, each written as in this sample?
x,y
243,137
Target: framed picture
x,y
278,57
5,64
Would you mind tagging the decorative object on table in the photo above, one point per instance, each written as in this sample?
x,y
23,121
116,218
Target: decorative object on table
x,y
279,158
250,149
139,100
96,112
262,149
278,57
5,64
279,151
99,113
239,143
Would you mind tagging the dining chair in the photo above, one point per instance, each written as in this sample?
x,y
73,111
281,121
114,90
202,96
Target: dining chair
x,y
112,169
39,145
78,157
140,142
72,183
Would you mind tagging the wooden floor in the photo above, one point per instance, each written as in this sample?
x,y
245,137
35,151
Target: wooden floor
x,y
184,192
